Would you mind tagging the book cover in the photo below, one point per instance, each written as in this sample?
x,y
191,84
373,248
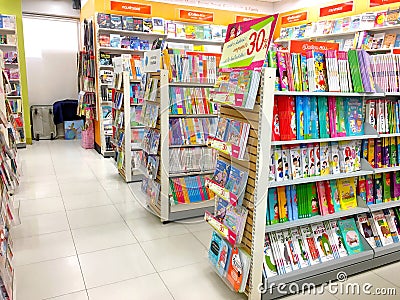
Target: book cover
x,y
221,174
392,222
137,24
115,41
365,229
214,249
351,236
223,257
116,22
310,245
238,269
290,249
382,227
147,25
237,183
347,193
127,23
269,260
322,242
103,20
299,248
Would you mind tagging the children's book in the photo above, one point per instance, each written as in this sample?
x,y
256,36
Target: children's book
x,y
236,183
269,260
321,238
338,238
284,253
309,243
223,257
351,236
347,193
289,247
391,220
215,246
365,228
382,227
377,239
238,269
299,248
221,174
116,22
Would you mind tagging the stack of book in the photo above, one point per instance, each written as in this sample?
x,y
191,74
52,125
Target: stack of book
x,y
314,159
190,131
151,140
184,66
194,159
383,115
379,188
380,228
124,42
129,23
189,189
385,71
309,117
191,101
310,245
291,203
382,153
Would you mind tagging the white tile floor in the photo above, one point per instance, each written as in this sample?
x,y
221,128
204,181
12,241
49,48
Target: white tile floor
x,y
84,236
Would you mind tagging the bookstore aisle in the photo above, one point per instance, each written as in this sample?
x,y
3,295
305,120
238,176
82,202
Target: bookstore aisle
x,y
84,236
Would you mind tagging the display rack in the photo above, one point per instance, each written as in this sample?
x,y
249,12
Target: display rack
x,y
163,207
14,94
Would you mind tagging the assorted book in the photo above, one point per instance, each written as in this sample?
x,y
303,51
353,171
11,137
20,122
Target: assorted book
x,y
136,94
233,133
381,153
379,188
149,114
194,159
290,203
314,159
380,228
136,115
124,42
190,131
323,71
350,24
189,189
310,117
161,26
385,71
186,66
151,140
239,88
7,22
187,101
137,135
383,115
10,57
8,39
301,247
231,262
230,178
12,73
152,189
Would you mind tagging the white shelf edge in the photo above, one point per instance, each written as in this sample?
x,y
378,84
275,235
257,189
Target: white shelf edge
x,y
187,146
386,170
384,205
383,135
193,84
186,174
380,251
111,49
190,206
194,41
337,94
188,116
318,178
130,32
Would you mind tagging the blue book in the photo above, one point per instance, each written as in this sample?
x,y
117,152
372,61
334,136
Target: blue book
x,y
314,118
223,258
221,174
289,203
135,43
300,117
307,117
293,200
237,183
213,251
273,206
397,41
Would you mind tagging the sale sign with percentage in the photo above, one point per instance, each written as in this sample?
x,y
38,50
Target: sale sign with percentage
x,y
247,43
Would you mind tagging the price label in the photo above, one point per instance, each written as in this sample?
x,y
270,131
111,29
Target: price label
x,y
222,192
220,228
221,146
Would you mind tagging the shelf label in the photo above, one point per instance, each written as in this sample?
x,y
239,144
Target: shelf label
x,y
246,44
224,147
373,3
194,15
396,51
239,18
302,47
131,7
222,192
228,98
336,9
220,228
293,18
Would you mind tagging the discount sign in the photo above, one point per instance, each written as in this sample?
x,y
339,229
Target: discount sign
x,y
247,43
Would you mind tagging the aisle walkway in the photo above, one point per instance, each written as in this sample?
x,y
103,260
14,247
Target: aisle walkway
x,y
84,236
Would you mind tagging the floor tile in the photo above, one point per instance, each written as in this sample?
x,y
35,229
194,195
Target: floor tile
x,y
200,282
150,228
37,190
387,272
43,247
204,237
41,206
195,224
119,196
74,296
147,287
40,224
92,216
48,279
68,177
86,200
113,265
182,250
132,210
80,187
101,237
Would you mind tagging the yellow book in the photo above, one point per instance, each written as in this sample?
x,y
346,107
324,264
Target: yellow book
x,y
347,193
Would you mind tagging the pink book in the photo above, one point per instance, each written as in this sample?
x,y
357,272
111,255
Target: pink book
x,y
323,201
332,116
283,75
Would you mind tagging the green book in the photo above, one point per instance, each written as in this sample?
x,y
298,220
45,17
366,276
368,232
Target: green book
x,y
355,71
351,236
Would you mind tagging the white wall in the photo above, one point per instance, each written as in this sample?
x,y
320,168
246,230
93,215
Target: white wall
x,y
50,7
51,46
289,5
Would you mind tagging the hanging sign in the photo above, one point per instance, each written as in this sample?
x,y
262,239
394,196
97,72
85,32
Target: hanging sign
x,y
302,47
136,8
373,3
194,15
247,43
336,9
239,18
302,16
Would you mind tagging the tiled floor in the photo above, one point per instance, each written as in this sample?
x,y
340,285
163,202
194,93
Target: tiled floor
x,y
84,236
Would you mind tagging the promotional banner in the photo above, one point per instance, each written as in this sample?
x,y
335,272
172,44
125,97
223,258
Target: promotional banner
x,y
302,47
247,43
301,16
336,9
374,3
194,15
131,7
239,18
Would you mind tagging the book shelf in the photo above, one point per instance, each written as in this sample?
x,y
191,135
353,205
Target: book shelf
x,y
9,181
14,89
162,204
